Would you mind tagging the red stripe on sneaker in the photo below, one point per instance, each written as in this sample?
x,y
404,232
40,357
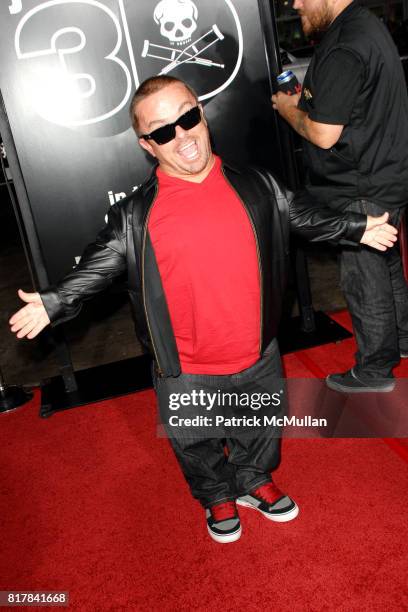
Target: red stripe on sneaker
x,y
268,492
224,511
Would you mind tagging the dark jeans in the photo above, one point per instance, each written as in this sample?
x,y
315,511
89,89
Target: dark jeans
x,y
211,474
377,297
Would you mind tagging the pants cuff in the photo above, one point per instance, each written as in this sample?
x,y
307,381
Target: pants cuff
x,y
255,484
218,500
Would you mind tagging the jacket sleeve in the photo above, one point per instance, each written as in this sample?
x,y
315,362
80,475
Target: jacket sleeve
x,y
318,223
101,262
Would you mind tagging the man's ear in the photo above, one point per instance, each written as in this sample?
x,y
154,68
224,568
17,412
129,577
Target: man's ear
x,y
146,146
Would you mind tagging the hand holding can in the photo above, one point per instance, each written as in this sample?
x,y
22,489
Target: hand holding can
x,y
288,83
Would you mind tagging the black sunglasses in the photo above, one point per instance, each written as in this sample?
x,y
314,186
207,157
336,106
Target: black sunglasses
x,y
167,132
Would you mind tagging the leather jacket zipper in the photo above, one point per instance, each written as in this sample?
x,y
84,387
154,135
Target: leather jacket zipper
x,y
258,255
160,372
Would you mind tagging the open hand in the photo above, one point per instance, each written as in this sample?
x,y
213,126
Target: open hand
x,y
30,320
379,234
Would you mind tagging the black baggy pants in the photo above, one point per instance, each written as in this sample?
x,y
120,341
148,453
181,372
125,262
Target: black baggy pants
x,y
212,474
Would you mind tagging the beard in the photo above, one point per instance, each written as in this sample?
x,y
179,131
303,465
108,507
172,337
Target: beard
x,y
317,22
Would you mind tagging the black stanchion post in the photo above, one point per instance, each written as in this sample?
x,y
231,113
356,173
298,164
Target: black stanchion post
x,y
30,242
307,315
12,397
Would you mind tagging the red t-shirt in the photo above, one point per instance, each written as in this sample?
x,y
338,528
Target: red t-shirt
x,y
206,253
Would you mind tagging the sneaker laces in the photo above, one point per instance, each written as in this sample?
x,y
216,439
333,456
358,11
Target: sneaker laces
x,y
224,511
268,492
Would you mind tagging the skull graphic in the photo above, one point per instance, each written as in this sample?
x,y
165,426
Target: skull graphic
x,y
177,19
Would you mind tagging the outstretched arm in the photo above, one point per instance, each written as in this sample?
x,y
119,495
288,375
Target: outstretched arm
x,y
30,320
318,223
100,263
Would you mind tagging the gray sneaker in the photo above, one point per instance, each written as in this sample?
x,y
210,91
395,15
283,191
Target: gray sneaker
x,y
223,522
348,382
271,502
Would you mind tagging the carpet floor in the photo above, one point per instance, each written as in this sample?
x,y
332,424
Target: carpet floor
x,y
93,503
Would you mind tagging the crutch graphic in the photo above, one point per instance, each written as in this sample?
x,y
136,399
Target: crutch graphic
x,y
190,55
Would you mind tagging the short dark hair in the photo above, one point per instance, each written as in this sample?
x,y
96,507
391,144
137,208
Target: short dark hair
x,y
149,87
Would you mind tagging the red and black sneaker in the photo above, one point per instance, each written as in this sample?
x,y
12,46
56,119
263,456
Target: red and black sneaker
x,y
223,522
269,500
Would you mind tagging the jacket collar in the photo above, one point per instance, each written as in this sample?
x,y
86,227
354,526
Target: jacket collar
x,y
150,182
227,165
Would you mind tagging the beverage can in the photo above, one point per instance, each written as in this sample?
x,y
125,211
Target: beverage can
x,y
288,83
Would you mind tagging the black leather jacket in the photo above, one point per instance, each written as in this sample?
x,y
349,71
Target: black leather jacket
x,y
124,245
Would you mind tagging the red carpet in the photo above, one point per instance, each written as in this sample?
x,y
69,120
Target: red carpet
x,y
91,502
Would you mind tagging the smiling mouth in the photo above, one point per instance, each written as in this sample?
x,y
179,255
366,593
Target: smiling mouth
x,y
189,151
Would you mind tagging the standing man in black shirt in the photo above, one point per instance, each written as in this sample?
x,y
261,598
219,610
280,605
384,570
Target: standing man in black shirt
x,y
353,116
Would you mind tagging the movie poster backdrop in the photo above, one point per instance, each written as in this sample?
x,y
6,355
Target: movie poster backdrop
x,y
68,71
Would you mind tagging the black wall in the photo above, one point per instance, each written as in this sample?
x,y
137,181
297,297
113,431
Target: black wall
x,y
68,70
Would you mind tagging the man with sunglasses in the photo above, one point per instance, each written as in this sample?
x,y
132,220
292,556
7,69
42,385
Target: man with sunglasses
x,y
205,246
